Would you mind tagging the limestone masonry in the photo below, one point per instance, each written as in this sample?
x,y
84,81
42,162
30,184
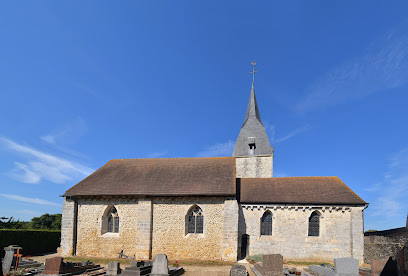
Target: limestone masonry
x,y
223,208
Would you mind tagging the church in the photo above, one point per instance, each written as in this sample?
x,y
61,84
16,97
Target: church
x,y
219,208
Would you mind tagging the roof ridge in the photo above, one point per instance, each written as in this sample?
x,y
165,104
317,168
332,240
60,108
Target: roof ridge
x,y
321,176
196,157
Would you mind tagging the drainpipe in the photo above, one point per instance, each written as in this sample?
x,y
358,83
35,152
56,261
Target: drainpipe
x,y
75,230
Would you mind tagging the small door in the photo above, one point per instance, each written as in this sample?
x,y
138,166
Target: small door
x,y
244,246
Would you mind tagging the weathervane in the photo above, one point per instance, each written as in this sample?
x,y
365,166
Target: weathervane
x,y
253,71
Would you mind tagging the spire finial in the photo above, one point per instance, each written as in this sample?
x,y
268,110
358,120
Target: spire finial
x,y
253,71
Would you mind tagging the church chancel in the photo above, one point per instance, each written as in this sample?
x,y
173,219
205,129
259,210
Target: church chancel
x,y
221,208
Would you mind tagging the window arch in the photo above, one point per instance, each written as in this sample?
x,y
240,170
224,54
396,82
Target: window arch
x,y
195,220
266,223
314,224
110,220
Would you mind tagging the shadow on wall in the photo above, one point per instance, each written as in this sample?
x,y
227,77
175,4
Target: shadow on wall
x,y
390,268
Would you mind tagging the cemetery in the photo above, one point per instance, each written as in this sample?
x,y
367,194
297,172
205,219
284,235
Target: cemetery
x,y
13,263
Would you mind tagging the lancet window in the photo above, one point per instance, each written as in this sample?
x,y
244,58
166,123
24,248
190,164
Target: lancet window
x,y
195,220
113,220
266,223
314,224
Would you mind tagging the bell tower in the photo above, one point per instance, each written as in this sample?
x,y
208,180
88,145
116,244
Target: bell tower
x,y
253,152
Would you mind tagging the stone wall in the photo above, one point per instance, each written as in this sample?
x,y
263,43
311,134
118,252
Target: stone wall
x,y
383,244
144,237
341,232
67,227
91,241
254,166
220,223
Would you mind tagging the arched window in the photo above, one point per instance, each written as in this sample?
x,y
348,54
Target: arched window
x,y
195,220
112,218
314,224
266,223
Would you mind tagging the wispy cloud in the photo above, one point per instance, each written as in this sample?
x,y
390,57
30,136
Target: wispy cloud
x,y
271,132
219,149
292,134
384,65
157,154
39,165
68,133
392,193
30,200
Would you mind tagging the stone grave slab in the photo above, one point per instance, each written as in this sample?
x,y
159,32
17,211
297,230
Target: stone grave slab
x,y
54,265
137,269
160,265
238,270
113,268
346,266
321,270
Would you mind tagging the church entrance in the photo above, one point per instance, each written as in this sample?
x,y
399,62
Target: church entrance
x,y
244,245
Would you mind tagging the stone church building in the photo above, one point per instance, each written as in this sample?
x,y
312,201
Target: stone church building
x,y
221,208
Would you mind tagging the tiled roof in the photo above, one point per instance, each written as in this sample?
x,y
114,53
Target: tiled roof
x,y
300,190
162,176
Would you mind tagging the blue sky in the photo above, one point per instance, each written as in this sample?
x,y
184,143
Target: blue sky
x,y
85,82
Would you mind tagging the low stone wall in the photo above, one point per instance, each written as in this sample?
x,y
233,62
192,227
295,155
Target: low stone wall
x,y
383,244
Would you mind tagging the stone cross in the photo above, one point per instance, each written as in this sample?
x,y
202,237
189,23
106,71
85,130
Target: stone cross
x,y
18,256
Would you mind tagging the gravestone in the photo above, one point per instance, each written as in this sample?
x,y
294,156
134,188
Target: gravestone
x,y
238,270
377,266
137,264
113,268
160,265
272,263
9,258
54,265
347,266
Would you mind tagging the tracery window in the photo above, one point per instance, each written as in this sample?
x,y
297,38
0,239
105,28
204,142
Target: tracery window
x,y
314,224
195,220
266,223
113,220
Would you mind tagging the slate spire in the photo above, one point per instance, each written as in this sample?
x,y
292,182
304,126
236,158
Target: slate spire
x,y
252,109
252,139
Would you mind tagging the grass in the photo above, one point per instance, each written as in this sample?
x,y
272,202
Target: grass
x,y
127,261
307,263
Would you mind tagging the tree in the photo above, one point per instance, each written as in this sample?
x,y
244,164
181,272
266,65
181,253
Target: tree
x,y
11,223
46,222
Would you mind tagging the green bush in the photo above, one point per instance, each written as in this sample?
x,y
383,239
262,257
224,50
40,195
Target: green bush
x,y
33,242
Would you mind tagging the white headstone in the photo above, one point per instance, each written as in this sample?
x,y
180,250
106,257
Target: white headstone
x,y
160,265
348,266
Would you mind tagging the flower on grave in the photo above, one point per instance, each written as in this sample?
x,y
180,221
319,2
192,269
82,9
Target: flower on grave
x,y
176,264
